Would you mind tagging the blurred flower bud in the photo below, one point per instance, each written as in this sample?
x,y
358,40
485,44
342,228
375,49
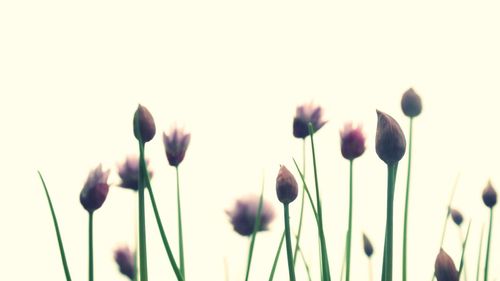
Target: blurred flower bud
x,y
128,171
489,196
456,216
125,260
411,103
286,186
147,128
390,142
95,190
244,214
305,114
176,144
352,141
444,268
367,246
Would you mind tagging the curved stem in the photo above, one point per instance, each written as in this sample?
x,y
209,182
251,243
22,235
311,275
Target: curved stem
x,y
480,251
143,259
407,203
349,229
91,247
486,263
299,232
289,252
179,221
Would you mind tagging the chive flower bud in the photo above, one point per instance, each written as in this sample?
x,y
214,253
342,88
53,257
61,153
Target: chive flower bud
x,y
124,258
456,216
352,141
286,186
390,142
305,114
147,128
95,190
411,103
444,268
176,144
128,171
367,246
243,215
489,196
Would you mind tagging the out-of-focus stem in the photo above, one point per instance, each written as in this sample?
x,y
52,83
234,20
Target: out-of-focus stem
x,y
486,262
349,229
179,222
291,270
479,254
407,203
299,232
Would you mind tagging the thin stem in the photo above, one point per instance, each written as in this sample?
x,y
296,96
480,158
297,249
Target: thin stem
x,y
256,228
179,221
342,272
91,247
387,262
276,257
58,232
462,243
370,269
299,232
308,270
486,262
480,251
407,203
462,258
143,259
349,229
306,189
289,252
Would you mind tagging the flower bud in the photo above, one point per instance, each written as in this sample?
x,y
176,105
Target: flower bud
x,y
444,268
286,186
125,260
489,196
176,144
411,103
367,246
244,215
305,114
390,142
128,171
352,141
144,124
95,190
456,216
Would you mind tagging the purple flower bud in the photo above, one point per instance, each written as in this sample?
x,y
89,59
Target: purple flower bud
x,y
286,186
305,114
411,103
128,171
456,216
95,190
444,268
390,142
244,214
352,141
489,196
147,128
367,246
125,260
176,144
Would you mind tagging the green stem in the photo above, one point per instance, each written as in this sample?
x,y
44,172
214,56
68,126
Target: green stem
x,y
306,189
349,229
91,246
58,232
289,252
299,232
462,258
387,262
407,203
480,251
143,259
179,221
463,243
308,270
276,257
486,262
256,228
342,271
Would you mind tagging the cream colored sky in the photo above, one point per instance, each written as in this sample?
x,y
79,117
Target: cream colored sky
x,y
72,73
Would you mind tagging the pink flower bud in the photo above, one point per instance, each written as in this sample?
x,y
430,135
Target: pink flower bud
x,y
286,186
125,260
367,246
456,216
411,103
176,144
144,124
95,190
489,196
128,171
444,268
352,141
390,142
244,215
307,113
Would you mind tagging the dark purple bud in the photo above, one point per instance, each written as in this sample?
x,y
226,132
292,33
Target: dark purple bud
x,y
456,216
411,103
390,142
489,196
176,144
128,171
352,141
305,114
95,190
244,214
444,268
286,186
125,260
367,246
144,124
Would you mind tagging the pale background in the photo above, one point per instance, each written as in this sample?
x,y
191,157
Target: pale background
x,y
72,74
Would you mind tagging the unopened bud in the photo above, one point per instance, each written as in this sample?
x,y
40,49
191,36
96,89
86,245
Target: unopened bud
x,y
352,141
456,216
411,103
444,268
489,196
144,124
367,246
286,186
95,190
390,142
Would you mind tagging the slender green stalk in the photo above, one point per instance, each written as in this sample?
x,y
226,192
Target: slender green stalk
x,y
462,258
349,229
324,253
388,251
463,242
307,192
143,257
58,232
342,272
407,203
299,232
486,262
480,251
256,228
308,270
91,246
276,257
291,269
179,221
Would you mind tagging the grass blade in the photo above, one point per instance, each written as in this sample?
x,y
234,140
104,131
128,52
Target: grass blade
x,y
276,257
480,251
256,228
